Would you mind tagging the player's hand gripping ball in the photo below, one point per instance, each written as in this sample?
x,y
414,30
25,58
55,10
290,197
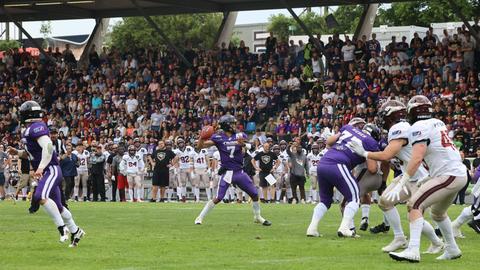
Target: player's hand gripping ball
x,y
206,132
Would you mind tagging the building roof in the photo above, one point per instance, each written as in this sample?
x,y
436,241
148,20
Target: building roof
x,y
38,10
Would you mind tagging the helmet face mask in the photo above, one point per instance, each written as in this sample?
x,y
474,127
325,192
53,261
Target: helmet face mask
x,y
227,123
357,122
276,149
131,150
390,113
315,149
283,145
373,131
419,108
180,143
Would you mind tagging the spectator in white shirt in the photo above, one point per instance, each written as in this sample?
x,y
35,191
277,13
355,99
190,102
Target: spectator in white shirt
x,y
348,52
255,89
132,104
293,83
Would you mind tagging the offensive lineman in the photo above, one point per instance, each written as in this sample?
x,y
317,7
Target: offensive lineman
x,y
230,145
44,161
334,170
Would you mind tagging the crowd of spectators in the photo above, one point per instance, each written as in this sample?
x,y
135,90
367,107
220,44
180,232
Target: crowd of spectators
x,y
290,90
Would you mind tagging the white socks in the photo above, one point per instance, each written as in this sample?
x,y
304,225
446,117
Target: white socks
x,y
365,210
393,219
278,193
350,209
416,227
429,232
256,212
446,229
169,194
52,210
196,191
75,191
130,193
209,206
139,193
68,220
464,216
318,213
209,193
289,193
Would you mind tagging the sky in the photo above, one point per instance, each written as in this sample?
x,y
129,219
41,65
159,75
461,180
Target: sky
x,y
79,27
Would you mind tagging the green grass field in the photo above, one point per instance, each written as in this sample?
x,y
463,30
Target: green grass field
x,y
163,236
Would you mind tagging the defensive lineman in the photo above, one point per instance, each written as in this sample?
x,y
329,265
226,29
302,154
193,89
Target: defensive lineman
x,y
392,116
230,145
430,144
44,161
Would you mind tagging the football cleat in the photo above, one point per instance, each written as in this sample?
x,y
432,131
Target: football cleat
x,y
435,248
198,221
396,244
450,254
475,225
63,233
380,228
347,233
457,233
364,224
312,232
76,237
408,255
262,221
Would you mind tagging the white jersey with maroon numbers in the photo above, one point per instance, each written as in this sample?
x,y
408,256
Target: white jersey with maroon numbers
x,y
131,165
200,159
185,157
82,160
441,157
313,161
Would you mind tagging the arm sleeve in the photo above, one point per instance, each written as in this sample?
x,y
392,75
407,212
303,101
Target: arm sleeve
x,y
47,150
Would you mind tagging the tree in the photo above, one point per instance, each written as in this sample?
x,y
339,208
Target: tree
x,y
198,29
46,31
9,44
423,13
281,24
347,18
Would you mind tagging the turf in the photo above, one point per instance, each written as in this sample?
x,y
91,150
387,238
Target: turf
x,y
163,236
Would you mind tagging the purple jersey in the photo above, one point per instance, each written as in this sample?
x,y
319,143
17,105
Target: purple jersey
x,y
476,176
30,136
231,154
341,154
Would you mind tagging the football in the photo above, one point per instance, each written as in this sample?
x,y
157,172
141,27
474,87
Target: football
x,y
206,132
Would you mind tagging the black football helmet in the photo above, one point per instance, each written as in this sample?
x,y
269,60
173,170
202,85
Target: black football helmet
x,y
30,111
372,130
390,113
419,108
227,123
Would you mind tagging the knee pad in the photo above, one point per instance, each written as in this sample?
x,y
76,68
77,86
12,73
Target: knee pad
x,y
386,205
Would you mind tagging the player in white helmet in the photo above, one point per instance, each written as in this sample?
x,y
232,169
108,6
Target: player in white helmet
x,y
141,153
185,156
313,158
82,172
201,174
429,143
132,166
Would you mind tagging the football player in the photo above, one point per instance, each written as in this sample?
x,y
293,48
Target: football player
x,y
44,161
132,166
313,158
185,155
201,179
334,170
430,145
230,145
82,172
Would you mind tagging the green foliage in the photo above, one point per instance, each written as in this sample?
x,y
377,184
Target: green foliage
x,y
347,18
135,32
9,44
423,13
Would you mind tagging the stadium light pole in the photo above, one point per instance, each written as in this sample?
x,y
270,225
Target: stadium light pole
x,y
160,32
